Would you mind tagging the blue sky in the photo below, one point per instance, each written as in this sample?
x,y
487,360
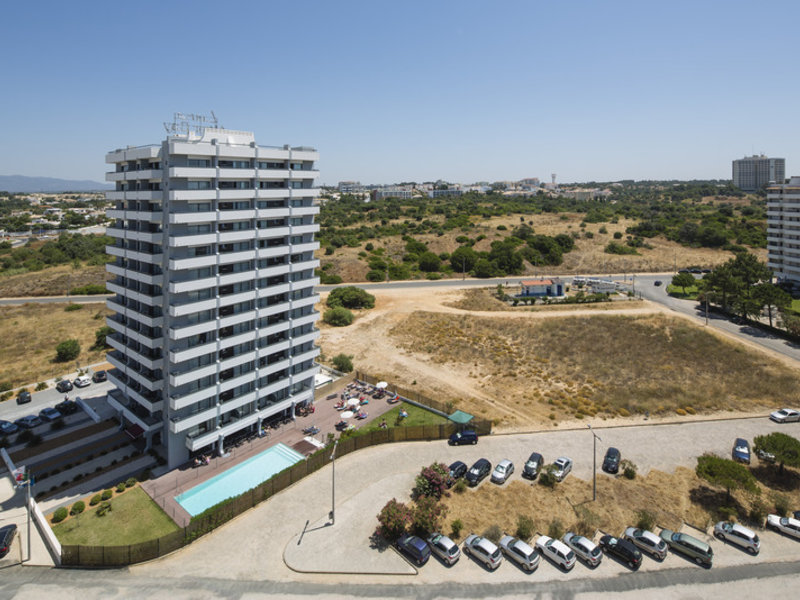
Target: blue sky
x,y
393,91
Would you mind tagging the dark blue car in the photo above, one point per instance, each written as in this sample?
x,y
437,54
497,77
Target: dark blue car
x,y
463,437
741,451
414,548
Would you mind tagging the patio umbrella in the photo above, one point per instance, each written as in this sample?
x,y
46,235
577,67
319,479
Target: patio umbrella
x,y
381,385
347,414
353,402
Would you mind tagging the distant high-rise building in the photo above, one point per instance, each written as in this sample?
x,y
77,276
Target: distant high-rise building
x,y
214,320
783,230
752,173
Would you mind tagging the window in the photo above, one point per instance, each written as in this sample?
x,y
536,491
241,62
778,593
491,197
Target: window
x,y
198,185
198,162
270,165
234,164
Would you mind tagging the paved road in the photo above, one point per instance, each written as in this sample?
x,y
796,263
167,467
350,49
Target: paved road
x,y
10,410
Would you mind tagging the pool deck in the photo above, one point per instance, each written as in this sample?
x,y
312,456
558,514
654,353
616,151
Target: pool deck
x,y
164,488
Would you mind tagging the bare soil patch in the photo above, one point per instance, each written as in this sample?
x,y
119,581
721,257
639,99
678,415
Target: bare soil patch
x,y
55,281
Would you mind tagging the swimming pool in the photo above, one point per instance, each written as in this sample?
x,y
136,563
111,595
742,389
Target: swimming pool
x,y
238,479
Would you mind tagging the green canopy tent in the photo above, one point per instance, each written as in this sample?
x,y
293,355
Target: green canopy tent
x,y
461,418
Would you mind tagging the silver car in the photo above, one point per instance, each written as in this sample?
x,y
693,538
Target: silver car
x,y
520,552
785,525
785,415
563,466
647,541
557,551
502,471
443,547
739,535
584,548
483,550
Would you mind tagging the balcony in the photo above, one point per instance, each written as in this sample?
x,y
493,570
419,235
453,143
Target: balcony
x,y
302,211
307,247
303,229
237,215
193,262
179,218
189,195
150,363
305,319
273,232
178,310
306,337
309,355
179,424
192,172
180,241
118,402
179,356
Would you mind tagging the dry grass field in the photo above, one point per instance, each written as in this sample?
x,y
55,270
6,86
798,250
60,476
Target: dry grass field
x,y
31,333
671,498
55,281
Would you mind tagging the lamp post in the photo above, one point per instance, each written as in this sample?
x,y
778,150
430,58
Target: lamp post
x,y
594,463
333,482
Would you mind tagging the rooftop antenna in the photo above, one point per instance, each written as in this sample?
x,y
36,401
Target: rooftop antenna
x,y
186,124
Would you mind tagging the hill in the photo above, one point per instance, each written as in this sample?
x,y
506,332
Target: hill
x,y
21,183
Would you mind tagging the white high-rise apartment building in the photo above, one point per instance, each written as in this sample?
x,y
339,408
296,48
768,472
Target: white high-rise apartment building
x,y
752,173
214,323
783,230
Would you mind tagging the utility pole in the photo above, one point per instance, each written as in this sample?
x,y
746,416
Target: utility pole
x,y
333,482
594,463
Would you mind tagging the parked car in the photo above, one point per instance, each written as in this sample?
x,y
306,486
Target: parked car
x,y
68,407
82,381
483,550
739,535
787,525
657,282
28,422
414,548
557,551
457,470
478,472
765,456
99,376
520,552
445,548
502,471
533,465
7,534
584,548
49,414
622,549
741,451
688,545
24,397
785,415
7,428
647,541
563,467
64,386
463,437
611,461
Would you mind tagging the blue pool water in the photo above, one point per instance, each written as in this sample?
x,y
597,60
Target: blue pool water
x,y
238,479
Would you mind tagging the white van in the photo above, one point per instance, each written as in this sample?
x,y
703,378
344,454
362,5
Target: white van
x,y
82,381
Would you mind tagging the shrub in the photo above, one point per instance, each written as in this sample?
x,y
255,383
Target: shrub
x,y
680,412
41,386
88,290
350,297
95,500
524,527
781,504
130,482
121,487
393,519
617,235
431,482
103,508
460,487
77,508
107,494
72,307
493,532
645,519
343,362
690,410
60,515
338,317
68,350
555,529
456,527
628,468
758,512
727,513
428,515
547,477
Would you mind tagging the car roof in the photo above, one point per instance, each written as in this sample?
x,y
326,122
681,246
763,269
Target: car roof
x,y
612,450
563,460
743,530
486,544
458,463
480,462
505,462
535,456
740,441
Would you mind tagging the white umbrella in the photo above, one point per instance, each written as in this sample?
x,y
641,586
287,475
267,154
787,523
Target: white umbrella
x,y
346,414
381,385
353,402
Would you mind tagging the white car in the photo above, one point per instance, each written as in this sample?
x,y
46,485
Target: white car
x,y
502,471
443,547
585,548
563,467
557,551
82,381
785,415
483,550
739,535
520,552
785,525
647,541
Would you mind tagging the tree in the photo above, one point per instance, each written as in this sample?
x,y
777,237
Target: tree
x,y
343,363
350,296
771,297
484,269
725,473
429,262
428,515
683,280
100,337
432,481
393,519
785,448
68,350
463,259
338,317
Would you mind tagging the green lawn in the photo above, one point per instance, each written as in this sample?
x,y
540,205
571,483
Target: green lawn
x,y
796,306
416,416
134,518
691,292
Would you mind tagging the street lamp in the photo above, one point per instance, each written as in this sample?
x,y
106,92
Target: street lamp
x,y
594,463
333,482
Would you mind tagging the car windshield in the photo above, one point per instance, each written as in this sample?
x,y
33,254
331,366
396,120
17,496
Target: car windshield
x,y
742,449
595,552
531,463
500,468
453,550
496,554
475,471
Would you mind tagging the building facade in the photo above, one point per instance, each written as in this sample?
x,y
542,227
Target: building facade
x,y
214,320
752,173
783,231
